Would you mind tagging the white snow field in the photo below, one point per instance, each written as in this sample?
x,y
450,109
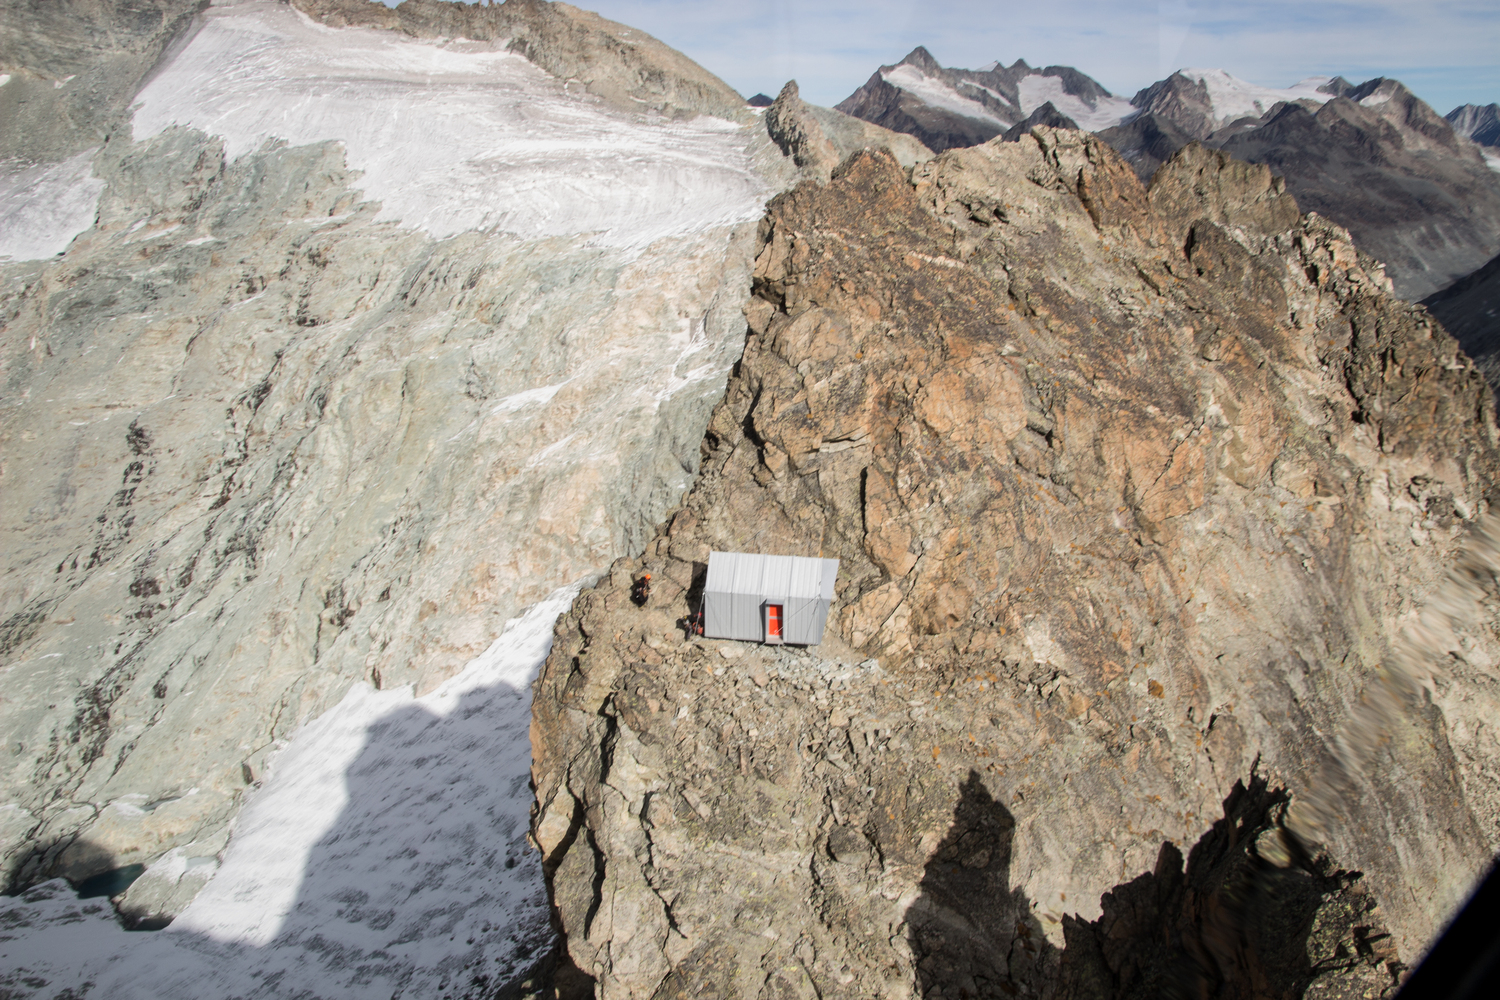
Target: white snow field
x,y
451,136
43,207
938,94
385,856
1233,98
1036,90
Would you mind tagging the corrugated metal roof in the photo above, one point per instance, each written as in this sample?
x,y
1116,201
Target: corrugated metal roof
x,y
767,576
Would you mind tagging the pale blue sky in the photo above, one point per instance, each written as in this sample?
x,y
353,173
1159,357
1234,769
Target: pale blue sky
x,y
1447,51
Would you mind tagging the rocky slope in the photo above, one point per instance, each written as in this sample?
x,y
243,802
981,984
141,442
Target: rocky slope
x,y
1415,193
72,67
1133,492
1470,310
1481,124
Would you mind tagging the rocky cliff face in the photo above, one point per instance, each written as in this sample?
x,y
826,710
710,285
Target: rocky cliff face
x,y
1133,492
308,410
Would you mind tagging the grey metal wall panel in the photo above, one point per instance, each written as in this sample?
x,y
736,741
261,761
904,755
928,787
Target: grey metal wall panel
x,y
746,617
801,621
819,621
740,584
830,577
776,583
805,576
716,615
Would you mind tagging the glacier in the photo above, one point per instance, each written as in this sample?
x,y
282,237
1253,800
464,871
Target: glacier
x,y
938,94
452,135
1232,98
1036,90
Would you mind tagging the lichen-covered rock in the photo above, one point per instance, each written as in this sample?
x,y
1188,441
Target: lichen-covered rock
x,y
1133,493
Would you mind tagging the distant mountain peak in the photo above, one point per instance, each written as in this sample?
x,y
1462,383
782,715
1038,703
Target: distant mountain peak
x,y
1480,124
922,59
948,107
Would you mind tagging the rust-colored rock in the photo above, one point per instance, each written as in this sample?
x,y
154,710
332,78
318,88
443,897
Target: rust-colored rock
x,y
1132,494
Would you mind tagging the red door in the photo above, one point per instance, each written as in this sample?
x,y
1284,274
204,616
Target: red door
x,y
773,621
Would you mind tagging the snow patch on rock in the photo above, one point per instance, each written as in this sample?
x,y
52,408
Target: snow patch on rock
x,y
43,207
938,94
1036,90
452,135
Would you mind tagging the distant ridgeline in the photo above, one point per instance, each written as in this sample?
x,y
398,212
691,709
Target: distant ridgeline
x,y
1417,191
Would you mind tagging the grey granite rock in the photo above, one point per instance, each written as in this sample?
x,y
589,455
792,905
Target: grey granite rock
x,y
73,67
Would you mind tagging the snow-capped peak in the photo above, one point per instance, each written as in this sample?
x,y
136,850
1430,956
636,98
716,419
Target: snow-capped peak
x,y
1232,98
937,93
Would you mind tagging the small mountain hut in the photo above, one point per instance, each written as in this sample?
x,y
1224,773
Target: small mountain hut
x,y
773,599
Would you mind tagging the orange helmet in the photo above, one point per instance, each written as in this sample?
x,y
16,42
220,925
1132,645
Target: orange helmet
x,y
647,576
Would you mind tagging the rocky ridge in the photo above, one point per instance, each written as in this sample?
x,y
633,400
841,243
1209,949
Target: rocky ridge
x,y
1132,491
625,67
1414,190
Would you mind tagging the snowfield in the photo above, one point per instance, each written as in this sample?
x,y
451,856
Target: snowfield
x,y
452,136
1036,90
384,856
43,207
939,94
1233,98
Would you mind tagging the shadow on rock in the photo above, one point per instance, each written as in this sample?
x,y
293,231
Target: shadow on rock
x,y
971,934
90,868
422,883
1245,918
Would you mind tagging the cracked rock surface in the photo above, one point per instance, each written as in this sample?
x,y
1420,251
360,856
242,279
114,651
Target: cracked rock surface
x,y
1133,493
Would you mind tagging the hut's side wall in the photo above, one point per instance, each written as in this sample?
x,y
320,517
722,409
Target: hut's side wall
x,y
732,616
802,623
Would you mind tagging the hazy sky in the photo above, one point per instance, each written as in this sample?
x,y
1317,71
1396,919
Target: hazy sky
x,y
1447,51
